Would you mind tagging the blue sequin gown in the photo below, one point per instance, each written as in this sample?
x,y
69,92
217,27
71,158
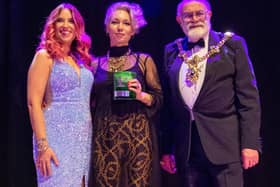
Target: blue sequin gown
x,y
68,125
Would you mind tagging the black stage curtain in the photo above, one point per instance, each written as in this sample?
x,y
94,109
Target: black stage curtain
x,y
21,23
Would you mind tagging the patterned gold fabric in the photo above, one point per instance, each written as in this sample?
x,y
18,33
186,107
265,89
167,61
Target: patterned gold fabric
x,y
123,141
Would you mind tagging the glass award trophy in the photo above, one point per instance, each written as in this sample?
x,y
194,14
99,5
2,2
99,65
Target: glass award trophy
x,y
121,91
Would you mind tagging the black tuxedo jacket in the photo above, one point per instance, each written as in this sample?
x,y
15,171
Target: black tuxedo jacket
x,y
227,109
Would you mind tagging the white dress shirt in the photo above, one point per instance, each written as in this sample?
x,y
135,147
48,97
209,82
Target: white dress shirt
x,y
190,93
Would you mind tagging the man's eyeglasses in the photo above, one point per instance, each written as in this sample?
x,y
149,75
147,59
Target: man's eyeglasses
x,y
201,14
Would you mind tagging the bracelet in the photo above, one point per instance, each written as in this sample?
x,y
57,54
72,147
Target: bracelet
x,y
150,99
42,145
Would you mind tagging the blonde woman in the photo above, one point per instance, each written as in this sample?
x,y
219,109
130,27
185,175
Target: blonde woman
x,y
124,145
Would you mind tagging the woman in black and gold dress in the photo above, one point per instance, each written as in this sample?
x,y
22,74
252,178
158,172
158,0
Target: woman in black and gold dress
x,y
124,141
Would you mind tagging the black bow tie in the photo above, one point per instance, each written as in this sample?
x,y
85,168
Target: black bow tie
x,y
191,45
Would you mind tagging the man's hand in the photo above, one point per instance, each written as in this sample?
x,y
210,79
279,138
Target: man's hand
x,y
168,163
250,158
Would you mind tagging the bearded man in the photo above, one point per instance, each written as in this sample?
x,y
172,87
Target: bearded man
x,y
212,110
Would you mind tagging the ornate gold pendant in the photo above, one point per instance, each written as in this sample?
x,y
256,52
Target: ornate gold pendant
x,y
193,71
194,60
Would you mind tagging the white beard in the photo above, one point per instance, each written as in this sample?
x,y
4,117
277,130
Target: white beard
x,y
194,34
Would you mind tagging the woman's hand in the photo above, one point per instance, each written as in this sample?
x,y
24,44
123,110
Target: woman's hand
x,y
44,161
135,86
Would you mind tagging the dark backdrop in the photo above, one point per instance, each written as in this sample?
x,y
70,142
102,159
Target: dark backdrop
x,y
21,23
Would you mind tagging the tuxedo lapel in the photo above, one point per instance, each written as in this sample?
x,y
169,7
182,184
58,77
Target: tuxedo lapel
x,y
213,40
174,74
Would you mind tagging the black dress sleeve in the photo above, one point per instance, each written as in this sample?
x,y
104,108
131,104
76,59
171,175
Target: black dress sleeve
x,y
152,83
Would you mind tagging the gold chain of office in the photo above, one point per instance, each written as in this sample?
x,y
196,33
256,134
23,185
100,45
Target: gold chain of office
x,y
192,74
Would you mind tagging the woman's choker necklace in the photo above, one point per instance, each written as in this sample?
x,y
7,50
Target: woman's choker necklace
x,y
118,51
117,57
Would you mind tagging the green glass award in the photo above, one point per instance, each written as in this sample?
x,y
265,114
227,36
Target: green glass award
x,y
121,91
